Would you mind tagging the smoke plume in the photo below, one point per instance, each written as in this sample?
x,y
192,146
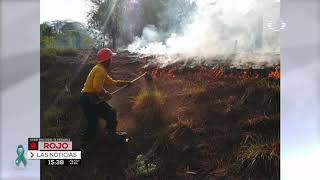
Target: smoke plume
x,y
214,29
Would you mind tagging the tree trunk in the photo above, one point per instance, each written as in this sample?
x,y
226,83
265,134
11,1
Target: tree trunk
x,y
114,42
104,40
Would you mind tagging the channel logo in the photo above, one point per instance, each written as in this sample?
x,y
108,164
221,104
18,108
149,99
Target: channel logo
x,y
33,144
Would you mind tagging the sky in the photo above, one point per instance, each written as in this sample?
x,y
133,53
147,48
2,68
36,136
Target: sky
x,y
75,10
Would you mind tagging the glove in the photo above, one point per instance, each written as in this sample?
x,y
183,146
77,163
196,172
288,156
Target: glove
x,y
124,83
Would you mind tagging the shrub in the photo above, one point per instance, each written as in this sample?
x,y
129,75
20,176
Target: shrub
x,y
50,119
52,113
67,52
48,53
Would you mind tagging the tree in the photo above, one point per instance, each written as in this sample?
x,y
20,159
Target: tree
x,y
104,20
65,34
47,30
119,21
152,10
47,42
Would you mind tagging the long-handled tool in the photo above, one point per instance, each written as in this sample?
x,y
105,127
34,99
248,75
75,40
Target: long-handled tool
x,y
146,75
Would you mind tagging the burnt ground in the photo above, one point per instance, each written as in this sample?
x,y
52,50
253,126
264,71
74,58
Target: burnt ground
x,y
205,122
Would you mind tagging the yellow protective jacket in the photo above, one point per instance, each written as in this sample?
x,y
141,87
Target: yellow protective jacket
x,y
97,77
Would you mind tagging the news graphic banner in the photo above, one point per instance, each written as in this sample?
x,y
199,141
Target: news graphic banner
x,y
56,152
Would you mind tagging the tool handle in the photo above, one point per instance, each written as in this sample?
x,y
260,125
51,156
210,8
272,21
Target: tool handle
x,y
123,87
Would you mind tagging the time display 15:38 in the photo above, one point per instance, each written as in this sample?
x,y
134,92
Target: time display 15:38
x,y
63,162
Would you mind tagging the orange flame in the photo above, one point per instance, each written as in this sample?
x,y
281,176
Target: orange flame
x,y
276,73
172,71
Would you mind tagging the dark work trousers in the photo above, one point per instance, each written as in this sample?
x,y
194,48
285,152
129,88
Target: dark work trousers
x,y
93,111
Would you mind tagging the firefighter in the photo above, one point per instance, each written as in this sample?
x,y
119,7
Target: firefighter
x,y
93,90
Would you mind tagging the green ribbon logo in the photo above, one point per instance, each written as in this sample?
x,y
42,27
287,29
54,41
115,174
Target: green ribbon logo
x,y
20,152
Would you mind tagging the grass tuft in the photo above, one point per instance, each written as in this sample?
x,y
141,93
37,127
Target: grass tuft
x,y
148,107
260,159
149,97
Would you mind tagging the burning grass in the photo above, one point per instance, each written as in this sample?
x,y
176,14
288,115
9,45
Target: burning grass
x,y
218,107
276,73
213,72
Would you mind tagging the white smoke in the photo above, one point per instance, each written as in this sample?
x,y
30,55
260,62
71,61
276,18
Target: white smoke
x,y
217,28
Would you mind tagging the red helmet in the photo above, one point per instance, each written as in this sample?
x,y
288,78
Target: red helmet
x,y
105,54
